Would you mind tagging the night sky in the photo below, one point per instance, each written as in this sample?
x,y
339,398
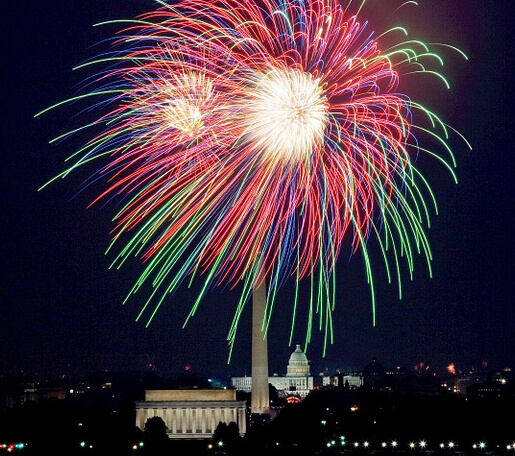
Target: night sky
x,y
61,306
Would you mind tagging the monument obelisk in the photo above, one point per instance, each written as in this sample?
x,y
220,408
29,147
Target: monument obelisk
x,y
260,401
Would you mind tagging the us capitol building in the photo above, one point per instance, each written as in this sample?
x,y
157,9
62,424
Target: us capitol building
x,y
298,379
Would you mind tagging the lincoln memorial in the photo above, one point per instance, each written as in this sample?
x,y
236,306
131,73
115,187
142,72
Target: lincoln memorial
x,y
192,414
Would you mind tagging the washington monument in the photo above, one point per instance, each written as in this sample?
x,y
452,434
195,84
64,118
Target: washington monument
x,y
260,401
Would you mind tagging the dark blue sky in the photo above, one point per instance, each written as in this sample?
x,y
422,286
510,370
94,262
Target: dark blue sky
x,y
61,305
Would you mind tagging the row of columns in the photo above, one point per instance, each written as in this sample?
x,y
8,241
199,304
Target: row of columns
x,y
193,420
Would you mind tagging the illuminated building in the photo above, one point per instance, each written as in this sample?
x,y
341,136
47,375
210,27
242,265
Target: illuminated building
x,y
349,380
192,414
298,379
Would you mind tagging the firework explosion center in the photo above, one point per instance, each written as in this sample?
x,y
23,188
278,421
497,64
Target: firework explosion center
x,y
288,114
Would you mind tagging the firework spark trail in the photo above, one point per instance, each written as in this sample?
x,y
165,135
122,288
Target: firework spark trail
x,y
256,140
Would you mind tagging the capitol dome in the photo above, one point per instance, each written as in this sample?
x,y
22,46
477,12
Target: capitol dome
x,y
298,364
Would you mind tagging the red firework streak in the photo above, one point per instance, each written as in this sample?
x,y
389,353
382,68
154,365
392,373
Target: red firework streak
x,y
252,140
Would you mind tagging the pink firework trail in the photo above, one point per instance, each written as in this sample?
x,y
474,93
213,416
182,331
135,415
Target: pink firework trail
x,y
252,140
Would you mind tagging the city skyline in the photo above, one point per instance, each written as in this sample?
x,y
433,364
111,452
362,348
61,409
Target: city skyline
x,y
62,305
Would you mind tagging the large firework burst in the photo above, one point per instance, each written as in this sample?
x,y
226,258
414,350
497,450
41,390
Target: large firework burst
x,y
253,140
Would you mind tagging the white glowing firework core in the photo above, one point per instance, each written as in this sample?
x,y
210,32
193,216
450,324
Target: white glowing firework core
x,y
287,114
185,98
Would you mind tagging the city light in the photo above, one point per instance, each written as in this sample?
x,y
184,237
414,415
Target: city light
x,y
366,446
481,445
10,447
137,446
83,444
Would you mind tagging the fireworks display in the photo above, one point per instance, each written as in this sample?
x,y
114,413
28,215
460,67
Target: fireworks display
x,y
255,140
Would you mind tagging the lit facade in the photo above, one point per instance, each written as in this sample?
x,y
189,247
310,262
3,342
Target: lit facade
x,y
192,414
352,379
298,379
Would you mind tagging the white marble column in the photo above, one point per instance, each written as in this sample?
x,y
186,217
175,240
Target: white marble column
x,y
184,420
214,422
242,421
141,418
194,421
174,421
166,418
203,421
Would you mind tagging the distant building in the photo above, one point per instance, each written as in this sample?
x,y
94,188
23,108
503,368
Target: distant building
x,y
298,379
503,379
16,394
494,387
348,379
192,414
373,373
462,383
420,380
